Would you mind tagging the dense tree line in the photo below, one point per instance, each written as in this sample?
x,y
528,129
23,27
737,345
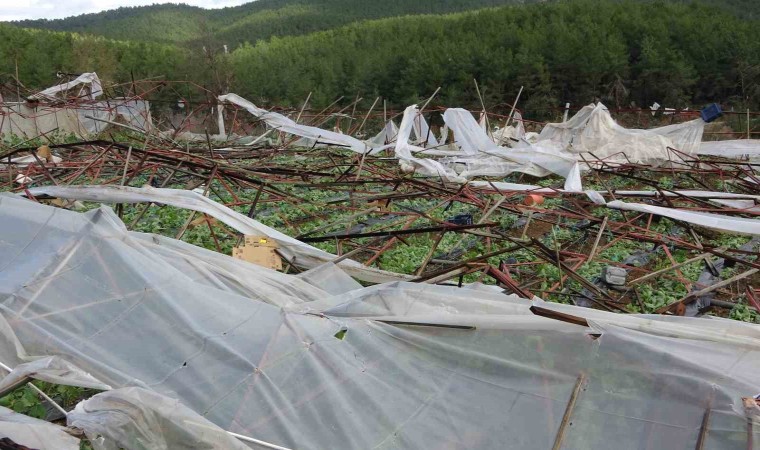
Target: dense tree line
x,y
677,54
154,23
625,52
38,55
250,22
262,19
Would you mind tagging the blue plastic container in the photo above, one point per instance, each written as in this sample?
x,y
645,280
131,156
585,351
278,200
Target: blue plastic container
x,y
711,112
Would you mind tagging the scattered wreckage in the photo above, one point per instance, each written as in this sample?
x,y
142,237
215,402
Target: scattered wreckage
x,y
389,292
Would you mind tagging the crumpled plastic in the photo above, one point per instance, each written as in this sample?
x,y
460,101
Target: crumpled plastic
x,y
135,419
593,130
35,433
91,79
305,255
389,366
286,125
52,369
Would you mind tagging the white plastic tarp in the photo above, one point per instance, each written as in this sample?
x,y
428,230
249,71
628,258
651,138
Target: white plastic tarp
x,y
560,148
386,136
83,120
731,148
326,372
52,369
510,133
738,225
718,222
404,152
90,80
136,418
286,125
488,158
34,433
479,155
422,132
593,130
299,253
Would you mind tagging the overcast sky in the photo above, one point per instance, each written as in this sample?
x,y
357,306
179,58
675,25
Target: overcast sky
x,y
56,9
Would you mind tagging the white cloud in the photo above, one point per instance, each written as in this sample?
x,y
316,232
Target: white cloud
x,y
50,9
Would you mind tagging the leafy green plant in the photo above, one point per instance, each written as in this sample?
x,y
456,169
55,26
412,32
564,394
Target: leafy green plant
x,y
24,401
744,313
654,299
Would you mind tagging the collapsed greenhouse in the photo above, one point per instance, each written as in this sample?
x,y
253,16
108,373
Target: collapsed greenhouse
x,y
445,283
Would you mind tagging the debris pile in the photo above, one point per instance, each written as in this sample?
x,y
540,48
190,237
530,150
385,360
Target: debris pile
x,y
426,287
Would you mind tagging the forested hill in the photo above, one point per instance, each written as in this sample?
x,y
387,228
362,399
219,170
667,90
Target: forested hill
x,y
249,22
677,54
262,19
625,52
155,23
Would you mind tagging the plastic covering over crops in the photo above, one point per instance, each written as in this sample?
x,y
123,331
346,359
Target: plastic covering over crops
x,y
86,118
589,137
370,323
204,343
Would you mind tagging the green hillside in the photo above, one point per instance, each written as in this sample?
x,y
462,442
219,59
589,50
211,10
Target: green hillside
x,y
262,19
39,54
154,23
625,52
250,22
676,54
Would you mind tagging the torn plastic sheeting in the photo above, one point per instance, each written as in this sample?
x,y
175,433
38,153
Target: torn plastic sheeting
x,y
330,278
491,160
24,161
596,197
255,282
136,418
737,201
90,79
731,148
746,205
52,369
686,193
35,433
116,307
518,187
409,162
426,303
715,221
300,253
593,130
284,124
94,118
211,354
533,160
737,225
516,131
25,120
386,136
479,165
471,138
12,353
708,328
706,334
422,132
82,120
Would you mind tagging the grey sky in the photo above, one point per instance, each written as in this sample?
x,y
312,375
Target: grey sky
x,y
56,9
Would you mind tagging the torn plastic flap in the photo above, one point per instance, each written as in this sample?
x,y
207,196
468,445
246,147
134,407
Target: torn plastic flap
x,y
136,418
52,369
